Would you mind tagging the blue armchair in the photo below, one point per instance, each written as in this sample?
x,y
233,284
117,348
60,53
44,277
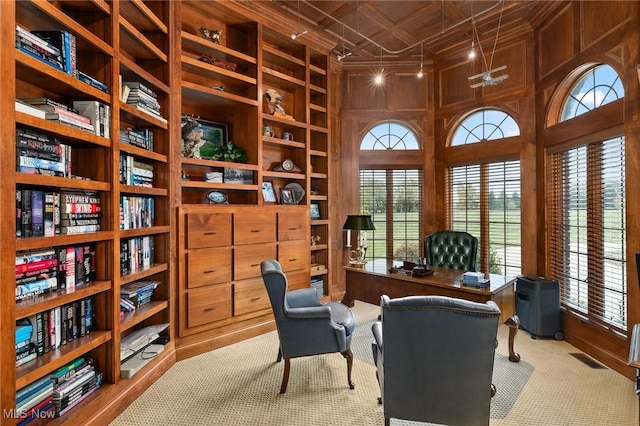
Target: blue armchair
x,y
305,325
436,362
451,249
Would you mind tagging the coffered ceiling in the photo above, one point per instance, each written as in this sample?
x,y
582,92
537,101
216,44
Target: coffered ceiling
x,y
405,30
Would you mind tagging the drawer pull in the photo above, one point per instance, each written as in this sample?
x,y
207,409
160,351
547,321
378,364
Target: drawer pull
x,y
294,229
210,233
255,264
210,271
255,230
213,308
255,299
293,259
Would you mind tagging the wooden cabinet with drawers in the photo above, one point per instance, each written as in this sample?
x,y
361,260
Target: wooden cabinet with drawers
x,y
222,296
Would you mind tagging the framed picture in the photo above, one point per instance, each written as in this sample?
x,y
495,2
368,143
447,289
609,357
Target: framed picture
x,y
314,211
200,137
268,194
241,176
286,196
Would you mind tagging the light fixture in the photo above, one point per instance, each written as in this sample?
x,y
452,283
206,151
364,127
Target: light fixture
x,y
420,73
361,224
379,78
299,33
486,77
344,53
472,52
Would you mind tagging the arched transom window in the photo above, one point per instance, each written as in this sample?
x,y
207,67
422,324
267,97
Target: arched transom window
x,y
485,125
596,87
389,135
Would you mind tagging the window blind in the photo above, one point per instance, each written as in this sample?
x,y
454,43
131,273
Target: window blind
x,y
587,238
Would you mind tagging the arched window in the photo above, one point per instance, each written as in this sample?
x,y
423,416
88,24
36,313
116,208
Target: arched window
x,y
485,125
392,194
389,135
586,209
484,199
596,87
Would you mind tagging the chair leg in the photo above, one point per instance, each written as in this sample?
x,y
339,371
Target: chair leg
x,y
387,421
493,390
279,355
349,356
285,377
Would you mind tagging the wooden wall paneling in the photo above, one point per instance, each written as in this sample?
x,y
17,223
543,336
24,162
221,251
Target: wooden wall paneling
x,y
598,22
410,92
363,95
556,41
452,83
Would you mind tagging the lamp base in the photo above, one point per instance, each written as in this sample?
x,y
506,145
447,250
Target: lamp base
x,y
357,265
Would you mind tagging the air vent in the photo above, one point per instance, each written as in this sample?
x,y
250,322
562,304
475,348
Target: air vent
x,y
587,360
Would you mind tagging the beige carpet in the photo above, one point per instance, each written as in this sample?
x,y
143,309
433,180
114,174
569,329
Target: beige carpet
x,y
238,385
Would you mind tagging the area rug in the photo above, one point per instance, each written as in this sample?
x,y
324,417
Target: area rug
x,y
239,385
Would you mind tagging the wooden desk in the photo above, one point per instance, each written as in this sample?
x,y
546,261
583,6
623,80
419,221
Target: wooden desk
x,y
369,284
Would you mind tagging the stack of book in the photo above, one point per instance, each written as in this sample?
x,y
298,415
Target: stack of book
x,y
61,113
38,48
37,153
80,212
25,349
34,402
65,42
36,272
140,137
146,100
136,294
73,383
134,172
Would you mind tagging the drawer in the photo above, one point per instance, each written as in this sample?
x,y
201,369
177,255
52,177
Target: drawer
x,y
208,304
298,279
247,259
292,226
293,255
250,227
208,266
208,230
250,296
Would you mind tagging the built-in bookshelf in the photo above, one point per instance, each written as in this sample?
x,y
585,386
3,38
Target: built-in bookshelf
x,y
102,134
76,206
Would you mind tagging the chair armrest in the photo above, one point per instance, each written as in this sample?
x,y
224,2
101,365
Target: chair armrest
x,y
310,312
303,298
376,328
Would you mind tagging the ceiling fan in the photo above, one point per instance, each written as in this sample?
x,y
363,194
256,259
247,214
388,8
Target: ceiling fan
x,y
487,79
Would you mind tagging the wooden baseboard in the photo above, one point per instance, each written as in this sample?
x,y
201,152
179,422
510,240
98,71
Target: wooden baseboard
x,y
186,348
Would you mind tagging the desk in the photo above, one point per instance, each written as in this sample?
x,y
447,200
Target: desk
x,y
374,280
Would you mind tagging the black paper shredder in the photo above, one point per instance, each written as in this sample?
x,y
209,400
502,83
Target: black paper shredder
x,y
538,306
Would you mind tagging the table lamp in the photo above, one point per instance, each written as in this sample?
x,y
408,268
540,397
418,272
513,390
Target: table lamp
x,y
361,224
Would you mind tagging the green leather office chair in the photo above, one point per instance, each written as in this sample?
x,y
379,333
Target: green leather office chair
x,y
451,249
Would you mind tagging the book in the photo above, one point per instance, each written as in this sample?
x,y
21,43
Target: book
x,y
51,110
95,111
69,120
29,109
86,78
79,229
21,32
138,287
37,213
49,206
35,386
39,163
26,47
